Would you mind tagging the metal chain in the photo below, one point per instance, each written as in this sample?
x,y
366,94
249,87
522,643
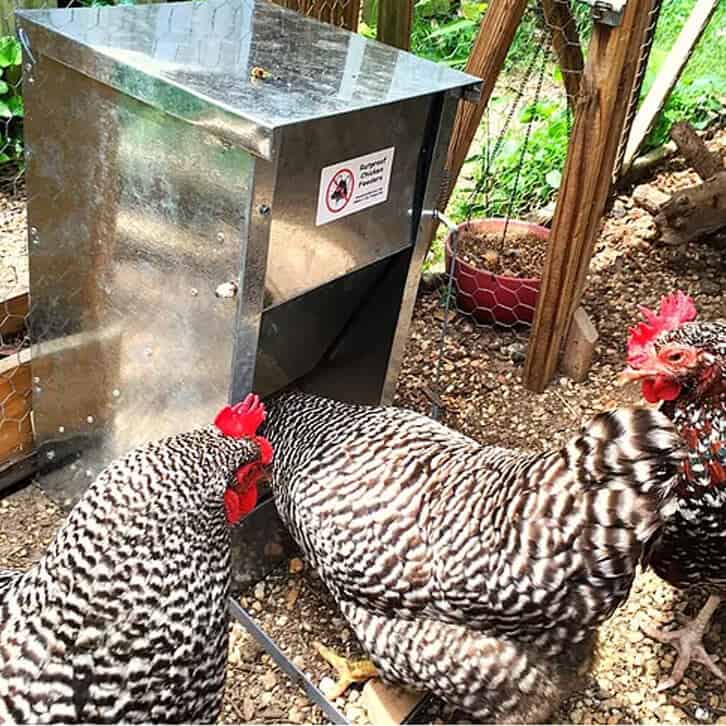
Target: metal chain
x,y
480,186
478,189
633,101
525,144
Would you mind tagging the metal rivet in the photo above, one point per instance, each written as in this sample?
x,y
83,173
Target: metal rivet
x,y
194,292
264,209
115,393
38,390
36,379
61,429
226,289
148,352
89,419
34,231
28,67
51,455
220,236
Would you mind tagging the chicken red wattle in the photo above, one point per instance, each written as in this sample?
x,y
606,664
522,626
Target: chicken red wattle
x,y
242,421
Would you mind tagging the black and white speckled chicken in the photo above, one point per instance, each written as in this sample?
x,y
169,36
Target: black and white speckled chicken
x,y
474,572
125,617
682,362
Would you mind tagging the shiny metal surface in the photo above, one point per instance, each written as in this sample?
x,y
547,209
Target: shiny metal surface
x,y
302,255
195,60
131,232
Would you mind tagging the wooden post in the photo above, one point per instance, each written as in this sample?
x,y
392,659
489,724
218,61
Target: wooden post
x,y
395,18
704,162
495,35
670,72
605,89
566,43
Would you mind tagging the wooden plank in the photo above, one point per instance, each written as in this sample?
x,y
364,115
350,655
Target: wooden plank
x,y
667,78
492,42
16,433
12,315
580,346
691,146
566,44
388,705
605,89
395,19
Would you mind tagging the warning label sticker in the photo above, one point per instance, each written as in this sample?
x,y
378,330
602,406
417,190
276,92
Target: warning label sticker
x,y
349,186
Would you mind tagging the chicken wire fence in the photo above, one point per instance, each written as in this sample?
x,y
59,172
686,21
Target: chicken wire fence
x,y
488,271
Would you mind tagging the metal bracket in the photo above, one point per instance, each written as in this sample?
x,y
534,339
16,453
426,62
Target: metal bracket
x,y
441,217
607,12
285,664
25,43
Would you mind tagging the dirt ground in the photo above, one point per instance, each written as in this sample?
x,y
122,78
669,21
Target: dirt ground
x,y
482,396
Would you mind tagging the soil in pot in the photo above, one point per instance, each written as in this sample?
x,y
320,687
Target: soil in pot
x,y
522,254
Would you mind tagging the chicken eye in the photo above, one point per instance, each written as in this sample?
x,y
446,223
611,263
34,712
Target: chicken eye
x,y
675,357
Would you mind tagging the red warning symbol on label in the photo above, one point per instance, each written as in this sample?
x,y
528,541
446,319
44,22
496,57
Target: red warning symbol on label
x,y
340,191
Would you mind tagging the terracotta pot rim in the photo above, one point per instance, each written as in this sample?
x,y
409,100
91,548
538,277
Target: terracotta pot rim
x,y
500,221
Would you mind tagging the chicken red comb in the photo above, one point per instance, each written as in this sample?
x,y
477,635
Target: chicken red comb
x,y
243,419
675,309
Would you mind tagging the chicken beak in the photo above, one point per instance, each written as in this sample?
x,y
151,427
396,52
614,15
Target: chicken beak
x,y
633,374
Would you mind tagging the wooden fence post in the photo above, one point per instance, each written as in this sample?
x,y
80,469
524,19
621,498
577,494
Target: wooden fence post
x,y
395,18
566,44
602,105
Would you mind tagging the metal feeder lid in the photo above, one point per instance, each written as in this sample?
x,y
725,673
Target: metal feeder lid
x,y
239,68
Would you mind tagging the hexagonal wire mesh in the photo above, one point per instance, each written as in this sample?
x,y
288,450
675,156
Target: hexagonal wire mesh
x,y
344,13
504,202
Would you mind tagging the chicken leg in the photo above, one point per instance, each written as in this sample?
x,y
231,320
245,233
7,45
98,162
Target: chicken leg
x,y
349,671
688,641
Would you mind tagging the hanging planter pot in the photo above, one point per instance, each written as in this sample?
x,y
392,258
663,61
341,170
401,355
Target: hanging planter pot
x,y
493,296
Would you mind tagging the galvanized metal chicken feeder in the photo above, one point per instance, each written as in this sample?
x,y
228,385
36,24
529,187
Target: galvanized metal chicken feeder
x,y
224,196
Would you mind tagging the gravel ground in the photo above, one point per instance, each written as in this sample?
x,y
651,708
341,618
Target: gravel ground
x,y
13,243
483,397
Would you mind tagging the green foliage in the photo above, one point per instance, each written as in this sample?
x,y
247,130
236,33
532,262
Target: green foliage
x,y
11,101
444,31
525,174
700,95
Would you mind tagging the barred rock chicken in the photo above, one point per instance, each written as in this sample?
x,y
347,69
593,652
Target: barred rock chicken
x,y
682,362
471,571
125,617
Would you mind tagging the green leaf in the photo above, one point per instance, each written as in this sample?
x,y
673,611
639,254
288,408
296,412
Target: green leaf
x,y
452,28
16,106
473,10
5,111
554,178
10,53
4,88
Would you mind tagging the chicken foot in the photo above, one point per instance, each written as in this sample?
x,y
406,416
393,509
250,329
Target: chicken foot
x,y
688,641
349,671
